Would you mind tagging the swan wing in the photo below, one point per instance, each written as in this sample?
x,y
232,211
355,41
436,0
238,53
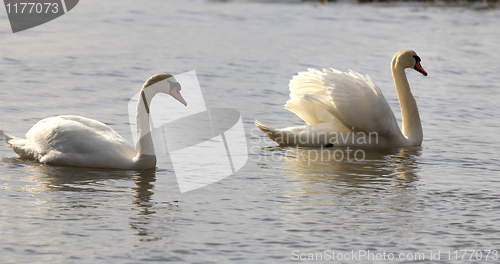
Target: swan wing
x,y
334,101
94,125
308,83
77,141
359,103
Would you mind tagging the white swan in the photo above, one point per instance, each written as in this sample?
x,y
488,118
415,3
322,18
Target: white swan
x,y
348,109
79,141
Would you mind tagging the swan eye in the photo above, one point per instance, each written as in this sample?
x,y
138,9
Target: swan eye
x,y
418,67
174,85
417,59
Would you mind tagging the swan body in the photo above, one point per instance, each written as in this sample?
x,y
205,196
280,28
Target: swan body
x,y
349,109
79,141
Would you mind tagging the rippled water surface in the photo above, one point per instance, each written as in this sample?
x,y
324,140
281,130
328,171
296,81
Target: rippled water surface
x,y
441,197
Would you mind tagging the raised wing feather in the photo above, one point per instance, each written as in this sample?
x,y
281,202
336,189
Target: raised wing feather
x,y
360,102
304,83
349,99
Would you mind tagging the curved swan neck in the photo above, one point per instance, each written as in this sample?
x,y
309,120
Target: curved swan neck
x,y
412,127
145,148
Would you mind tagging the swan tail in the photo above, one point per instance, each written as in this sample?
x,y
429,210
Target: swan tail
x,y
265,128
7,137
275,134
271,132
19,146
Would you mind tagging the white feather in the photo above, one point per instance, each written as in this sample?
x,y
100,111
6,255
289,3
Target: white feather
x,y
350,106
83,142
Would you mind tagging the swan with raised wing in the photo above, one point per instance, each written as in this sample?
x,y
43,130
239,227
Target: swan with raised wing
x,y
349,109
79,141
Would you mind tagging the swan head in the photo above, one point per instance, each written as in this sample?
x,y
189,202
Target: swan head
x,y
408,59
169,85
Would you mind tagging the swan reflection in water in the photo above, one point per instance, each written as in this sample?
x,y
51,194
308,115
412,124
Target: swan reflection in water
x,y
316,169
90,194
324,196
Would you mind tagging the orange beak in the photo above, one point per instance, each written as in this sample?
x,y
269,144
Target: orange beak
x,y
177,95
419,68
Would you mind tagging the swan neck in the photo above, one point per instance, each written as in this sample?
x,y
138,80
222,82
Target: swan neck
x,y
145,147
412,127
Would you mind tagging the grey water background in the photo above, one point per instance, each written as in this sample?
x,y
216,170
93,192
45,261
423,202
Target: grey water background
x,y
91,61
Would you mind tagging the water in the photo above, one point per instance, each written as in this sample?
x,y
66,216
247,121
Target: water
x,y
441,197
